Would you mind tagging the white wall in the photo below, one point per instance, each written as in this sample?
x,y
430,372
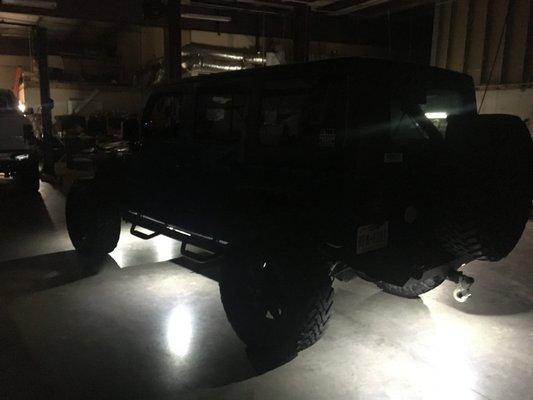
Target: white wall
x,y
509,101
112,99
152,44
8,65
215,39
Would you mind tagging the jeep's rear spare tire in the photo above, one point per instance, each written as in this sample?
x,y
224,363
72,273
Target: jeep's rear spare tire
x,y
93,219
487,206
273,311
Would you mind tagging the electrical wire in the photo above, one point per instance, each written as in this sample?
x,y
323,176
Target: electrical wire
x,y
510,4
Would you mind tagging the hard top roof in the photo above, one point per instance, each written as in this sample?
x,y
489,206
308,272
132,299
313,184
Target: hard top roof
x,y
370,66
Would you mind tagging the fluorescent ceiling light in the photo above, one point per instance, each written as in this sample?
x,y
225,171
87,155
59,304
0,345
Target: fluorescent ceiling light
x,y
436,115
50,5
205,17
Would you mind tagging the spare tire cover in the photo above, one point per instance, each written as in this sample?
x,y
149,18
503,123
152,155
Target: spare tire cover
x,y
488,193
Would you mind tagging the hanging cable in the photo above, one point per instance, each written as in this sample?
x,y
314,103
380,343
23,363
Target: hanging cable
x,y
510,4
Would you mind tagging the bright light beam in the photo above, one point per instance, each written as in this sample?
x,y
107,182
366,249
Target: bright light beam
x,y
436,115
179,331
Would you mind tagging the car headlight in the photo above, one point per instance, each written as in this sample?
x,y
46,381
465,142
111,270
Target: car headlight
x,y
22,157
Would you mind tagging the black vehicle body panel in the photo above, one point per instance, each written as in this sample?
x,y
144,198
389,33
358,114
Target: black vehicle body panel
x,y
240,192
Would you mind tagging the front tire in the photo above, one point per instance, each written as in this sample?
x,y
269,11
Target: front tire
x,y
93,219
273,310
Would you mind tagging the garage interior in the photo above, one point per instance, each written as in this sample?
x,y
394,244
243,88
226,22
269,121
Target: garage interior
x,y
147,322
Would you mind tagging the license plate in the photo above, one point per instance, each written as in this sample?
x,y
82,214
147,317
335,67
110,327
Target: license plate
x,y
372,237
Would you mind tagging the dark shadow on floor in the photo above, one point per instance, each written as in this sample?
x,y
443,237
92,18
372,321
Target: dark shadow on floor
x,y
19,376
33,274
22,213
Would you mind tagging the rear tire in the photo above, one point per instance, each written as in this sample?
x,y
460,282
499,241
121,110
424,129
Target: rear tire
x,y
488,205
93,219
273,310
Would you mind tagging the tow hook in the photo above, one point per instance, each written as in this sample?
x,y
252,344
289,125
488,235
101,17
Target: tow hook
x,y
461,293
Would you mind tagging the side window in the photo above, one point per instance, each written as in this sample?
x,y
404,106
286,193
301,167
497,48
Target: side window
x,y
163,117
282,110
300,122
220,117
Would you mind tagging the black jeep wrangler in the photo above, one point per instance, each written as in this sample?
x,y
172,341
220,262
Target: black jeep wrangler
x,y
301,173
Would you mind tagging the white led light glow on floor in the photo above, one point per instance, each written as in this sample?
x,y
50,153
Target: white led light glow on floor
x,y
179,331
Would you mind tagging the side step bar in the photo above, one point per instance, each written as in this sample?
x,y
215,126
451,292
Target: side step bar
x,y
210,244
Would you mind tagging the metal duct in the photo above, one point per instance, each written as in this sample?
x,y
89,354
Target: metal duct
x,y
208,64
201,58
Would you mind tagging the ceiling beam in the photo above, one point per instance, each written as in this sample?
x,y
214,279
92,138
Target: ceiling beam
x,y
343,7
277,25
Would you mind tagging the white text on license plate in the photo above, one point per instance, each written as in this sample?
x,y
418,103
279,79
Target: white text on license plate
x,y
372,237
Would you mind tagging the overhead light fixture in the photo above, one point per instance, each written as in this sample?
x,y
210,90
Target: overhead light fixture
x,y
49,5
204,17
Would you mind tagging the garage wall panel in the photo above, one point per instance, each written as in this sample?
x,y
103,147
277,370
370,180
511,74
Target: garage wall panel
x,y
475,38
458,31
516,42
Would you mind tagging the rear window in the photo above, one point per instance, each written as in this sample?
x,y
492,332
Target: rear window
x,y
440,103
447,94
438,95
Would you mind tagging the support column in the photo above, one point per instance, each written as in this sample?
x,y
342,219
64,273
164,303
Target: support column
x,y
173,40
442,39
475,41
494,42
516,42
47,104
301,33
458,35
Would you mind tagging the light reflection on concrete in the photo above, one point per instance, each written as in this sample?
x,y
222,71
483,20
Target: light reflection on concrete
x,y
132,251
179,330
451,374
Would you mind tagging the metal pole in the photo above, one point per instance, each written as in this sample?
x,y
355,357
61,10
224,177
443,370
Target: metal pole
x,y
301,33
173,39
47,104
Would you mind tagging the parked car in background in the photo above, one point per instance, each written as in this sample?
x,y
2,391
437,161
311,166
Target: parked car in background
x,y
18,146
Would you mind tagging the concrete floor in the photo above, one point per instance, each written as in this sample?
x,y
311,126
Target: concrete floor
x,y
146,327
